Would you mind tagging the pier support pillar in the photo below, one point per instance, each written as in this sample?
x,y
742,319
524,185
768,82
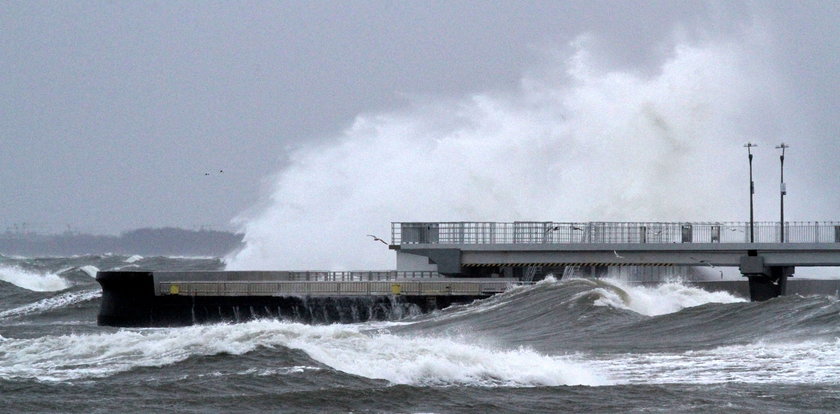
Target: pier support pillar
x,y
766,282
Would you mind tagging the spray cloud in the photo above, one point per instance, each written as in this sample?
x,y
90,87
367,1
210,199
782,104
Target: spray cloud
x,y
581,142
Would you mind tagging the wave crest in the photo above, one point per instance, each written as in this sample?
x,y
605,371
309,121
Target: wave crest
x,y
37,282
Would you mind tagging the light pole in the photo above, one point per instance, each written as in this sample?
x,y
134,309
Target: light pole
x,y
782,189
749,146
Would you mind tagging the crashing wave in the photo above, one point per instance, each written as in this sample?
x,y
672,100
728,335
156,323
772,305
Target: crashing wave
x,y
56,302
347,348
37,282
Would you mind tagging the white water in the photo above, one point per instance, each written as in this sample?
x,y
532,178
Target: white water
x,y
134,258
35,281
785,363
578,142
662,299
403,360
90,270
56,302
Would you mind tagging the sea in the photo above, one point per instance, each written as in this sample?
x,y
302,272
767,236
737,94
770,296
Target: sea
x,y
570,345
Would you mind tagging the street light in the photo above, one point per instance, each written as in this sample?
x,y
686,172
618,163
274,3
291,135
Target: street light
x,y
782,189
749,146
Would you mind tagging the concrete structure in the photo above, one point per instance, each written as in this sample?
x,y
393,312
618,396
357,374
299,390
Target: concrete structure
x,y
440,264
137,298
517,249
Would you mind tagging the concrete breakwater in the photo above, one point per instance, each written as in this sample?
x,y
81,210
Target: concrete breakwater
x,y
187,298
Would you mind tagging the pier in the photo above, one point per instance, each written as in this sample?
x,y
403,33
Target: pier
x,y
444,263
523,249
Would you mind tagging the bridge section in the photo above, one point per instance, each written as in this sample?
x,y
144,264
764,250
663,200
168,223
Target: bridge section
x,y
491,248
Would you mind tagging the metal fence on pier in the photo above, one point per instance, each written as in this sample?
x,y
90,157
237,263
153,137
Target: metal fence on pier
x,y
549,232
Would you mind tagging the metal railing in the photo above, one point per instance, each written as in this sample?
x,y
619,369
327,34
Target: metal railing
x,y
549,232
355,276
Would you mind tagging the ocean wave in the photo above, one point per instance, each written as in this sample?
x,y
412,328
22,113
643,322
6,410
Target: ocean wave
x,y
758,362
134,258
665,298
90,270
56,302
37,282
347,348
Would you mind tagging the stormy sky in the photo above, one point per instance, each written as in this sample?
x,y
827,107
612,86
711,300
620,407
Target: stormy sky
x,y
117,115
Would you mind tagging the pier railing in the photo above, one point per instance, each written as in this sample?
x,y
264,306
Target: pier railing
x,y
549,232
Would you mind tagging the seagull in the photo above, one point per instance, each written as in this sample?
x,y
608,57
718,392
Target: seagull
x,y
617,255
221,171
555,228
378,239
577,228
705,262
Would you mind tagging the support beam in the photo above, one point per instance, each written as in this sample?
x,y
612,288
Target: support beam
x,y
766,282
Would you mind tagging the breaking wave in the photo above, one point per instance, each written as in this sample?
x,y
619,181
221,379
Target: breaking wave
x,y
661,299
49,304
34,281
347,348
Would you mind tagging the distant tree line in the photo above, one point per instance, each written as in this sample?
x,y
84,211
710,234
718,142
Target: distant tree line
x,y
167,241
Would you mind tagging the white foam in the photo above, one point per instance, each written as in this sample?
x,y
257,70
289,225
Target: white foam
x,y
90,270
134,258
792,363
48,304
403,360
38,282
661,299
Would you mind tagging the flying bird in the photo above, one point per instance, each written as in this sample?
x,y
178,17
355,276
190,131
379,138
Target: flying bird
x,y
577,228
705,262
617,255
378,239
555,228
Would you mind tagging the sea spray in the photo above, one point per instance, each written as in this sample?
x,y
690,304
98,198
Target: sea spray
x,y
586,143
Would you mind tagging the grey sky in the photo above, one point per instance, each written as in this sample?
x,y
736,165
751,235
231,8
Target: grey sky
x,y
111,113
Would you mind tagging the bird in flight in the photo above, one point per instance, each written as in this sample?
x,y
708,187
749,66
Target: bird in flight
x,y
705,262
617,255
378,239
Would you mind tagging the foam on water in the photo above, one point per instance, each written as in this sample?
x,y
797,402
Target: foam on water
x,y
792,363
403,360
661,299
56,302
38,282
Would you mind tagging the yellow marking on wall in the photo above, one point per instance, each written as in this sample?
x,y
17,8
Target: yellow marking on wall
x,y
395,288
174,289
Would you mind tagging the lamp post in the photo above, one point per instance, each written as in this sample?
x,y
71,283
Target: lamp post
x,y
749,146
782,190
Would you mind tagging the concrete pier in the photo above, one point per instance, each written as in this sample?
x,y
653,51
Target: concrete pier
x,y
516,249
186,298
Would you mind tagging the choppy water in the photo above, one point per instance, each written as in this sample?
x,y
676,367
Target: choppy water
x,y
573,345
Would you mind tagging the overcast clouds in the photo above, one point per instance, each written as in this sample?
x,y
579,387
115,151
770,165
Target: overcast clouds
x,y
111,113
